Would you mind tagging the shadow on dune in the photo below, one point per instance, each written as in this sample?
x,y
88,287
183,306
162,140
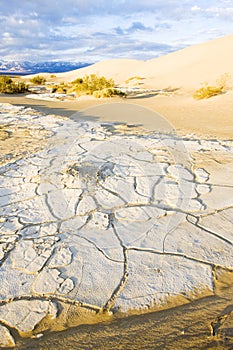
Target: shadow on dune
x,y
140,96
64,109
148,94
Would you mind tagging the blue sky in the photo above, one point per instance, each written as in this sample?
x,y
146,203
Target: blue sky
x,y
90,31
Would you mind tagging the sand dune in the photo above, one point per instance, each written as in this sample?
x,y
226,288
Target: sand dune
x,y
118,69
185,69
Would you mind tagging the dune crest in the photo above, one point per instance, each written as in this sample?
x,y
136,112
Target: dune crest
x,y
184,69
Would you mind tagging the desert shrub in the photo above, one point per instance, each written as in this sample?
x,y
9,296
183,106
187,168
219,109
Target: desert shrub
x,y
77,81
90,83
59,89
20,87
223,83
108,92
38,79
7,86
5,80
226,81
52,76
136,77
207,91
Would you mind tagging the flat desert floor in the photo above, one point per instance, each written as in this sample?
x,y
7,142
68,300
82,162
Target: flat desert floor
x,y
205,323
206,118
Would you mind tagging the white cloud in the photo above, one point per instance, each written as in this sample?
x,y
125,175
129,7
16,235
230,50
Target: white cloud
x,y
6,35
224,12
195,8
89,30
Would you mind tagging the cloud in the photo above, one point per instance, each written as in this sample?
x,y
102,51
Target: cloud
x,y
59,8
89,30
223,12
119,30
195,8
130,49
134,27
138,26
220,10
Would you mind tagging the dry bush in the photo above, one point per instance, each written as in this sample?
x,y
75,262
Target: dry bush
x,y
223,83
62,89
38,80
136,77
207,91
90,83
226,81
108,92
7,86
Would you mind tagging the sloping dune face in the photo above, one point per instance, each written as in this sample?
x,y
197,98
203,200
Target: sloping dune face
x,y
118,69
194,65
185,69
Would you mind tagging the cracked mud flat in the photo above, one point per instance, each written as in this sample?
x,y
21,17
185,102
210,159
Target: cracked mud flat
x,y
187,326
96,219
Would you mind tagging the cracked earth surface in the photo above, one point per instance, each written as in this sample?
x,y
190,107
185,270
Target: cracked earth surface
x,y
110,220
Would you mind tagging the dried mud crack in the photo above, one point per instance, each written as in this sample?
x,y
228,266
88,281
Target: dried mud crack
x,y
94,221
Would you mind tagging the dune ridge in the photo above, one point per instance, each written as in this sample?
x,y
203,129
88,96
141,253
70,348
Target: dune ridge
x,y
185,69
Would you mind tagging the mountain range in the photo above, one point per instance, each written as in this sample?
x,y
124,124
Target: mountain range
x,y
26,67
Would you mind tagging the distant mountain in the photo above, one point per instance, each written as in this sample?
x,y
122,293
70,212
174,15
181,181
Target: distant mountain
x,y
25,67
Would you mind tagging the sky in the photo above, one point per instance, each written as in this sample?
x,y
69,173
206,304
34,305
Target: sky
x,y
90,31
